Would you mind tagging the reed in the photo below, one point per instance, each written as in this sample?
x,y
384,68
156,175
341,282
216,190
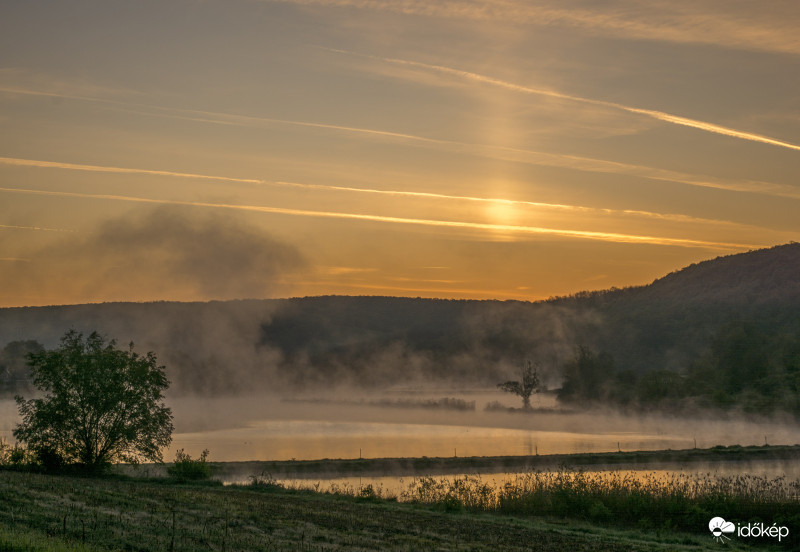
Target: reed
x,y
646,500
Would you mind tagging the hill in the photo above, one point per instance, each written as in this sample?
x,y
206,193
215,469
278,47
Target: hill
x,y
670,321
227,347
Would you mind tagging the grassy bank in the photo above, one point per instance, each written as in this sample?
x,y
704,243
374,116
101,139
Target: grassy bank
x,y
557,509
649,501
42,512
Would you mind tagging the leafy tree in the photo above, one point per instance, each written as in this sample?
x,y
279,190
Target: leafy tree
x,y
524,388
658,386
100,404
587,376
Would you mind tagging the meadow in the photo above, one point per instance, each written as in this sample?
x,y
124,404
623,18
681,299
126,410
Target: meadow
x,y
563,510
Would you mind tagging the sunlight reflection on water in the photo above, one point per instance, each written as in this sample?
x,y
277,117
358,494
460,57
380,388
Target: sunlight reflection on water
x,y
394,486
308,440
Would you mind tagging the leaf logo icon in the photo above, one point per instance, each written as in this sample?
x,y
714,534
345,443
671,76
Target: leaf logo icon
x,y
719,527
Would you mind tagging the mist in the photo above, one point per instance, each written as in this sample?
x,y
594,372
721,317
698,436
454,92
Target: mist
x,y
272,427
175,253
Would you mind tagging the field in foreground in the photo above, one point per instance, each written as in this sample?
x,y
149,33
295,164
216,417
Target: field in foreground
x,y
42,512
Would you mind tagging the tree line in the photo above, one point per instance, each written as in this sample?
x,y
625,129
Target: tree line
x,y
745,366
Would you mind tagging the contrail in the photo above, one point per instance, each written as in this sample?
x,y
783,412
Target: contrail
x,y
15,227
515,202
120,170
202,116
658,115
709,127
326,187
231,119
574,162
433,195
585,234
28,92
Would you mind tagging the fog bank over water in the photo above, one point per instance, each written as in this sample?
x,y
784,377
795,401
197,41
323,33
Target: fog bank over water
x,y
299,345
308,427
273,428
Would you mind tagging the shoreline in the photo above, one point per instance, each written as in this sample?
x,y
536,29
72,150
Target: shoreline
x,y
376,467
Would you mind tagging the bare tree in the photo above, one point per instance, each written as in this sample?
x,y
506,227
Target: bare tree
x,y
526,387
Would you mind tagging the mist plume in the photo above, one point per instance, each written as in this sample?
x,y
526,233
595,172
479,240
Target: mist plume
x,y
163,253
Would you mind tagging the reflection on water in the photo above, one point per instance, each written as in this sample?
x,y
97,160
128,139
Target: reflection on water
x,y
271,428
395,486
308,440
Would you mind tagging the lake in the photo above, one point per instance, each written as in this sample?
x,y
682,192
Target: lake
x,y
316,427
270,428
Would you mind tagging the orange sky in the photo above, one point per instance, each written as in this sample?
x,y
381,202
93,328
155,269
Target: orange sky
x,y
186,150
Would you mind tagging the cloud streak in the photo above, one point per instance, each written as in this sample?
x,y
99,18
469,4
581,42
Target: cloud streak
x,y
349,189
42,228
510,202
230,119
653,114
458,225
726,25
119,170
507,153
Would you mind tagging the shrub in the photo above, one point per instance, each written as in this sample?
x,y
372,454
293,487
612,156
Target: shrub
x,y
187,468
49,460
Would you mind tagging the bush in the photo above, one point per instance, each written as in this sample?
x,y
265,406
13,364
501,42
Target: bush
x,y
265,482
189,469
49,460
16,457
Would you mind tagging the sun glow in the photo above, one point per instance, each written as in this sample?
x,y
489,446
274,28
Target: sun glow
x,y
369,139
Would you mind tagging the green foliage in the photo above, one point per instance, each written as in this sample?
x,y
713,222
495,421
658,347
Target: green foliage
x,y
19,457
669,324
265,482
746,366
188,469
750,368
634,499
659,386
587,376
99,405
49,459
30,540
66,513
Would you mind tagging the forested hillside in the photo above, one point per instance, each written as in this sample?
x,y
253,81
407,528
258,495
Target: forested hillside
x,y
721,333
734,319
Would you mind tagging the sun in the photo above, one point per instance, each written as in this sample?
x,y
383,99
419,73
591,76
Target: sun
x,y
502,212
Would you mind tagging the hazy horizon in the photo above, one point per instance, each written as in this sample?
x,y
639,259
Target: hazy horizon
x,y
194,151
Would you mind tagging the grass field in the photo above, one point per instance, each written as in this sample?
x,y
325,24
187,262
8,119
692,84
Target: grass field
x,y
46,512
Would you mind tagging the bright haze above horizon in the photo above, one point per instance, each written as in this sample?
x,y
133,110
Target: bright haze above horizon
x,y
210,149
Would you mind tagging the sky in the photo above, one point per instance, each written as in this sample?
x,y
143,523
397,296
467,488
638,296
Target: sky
x,y
219,149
